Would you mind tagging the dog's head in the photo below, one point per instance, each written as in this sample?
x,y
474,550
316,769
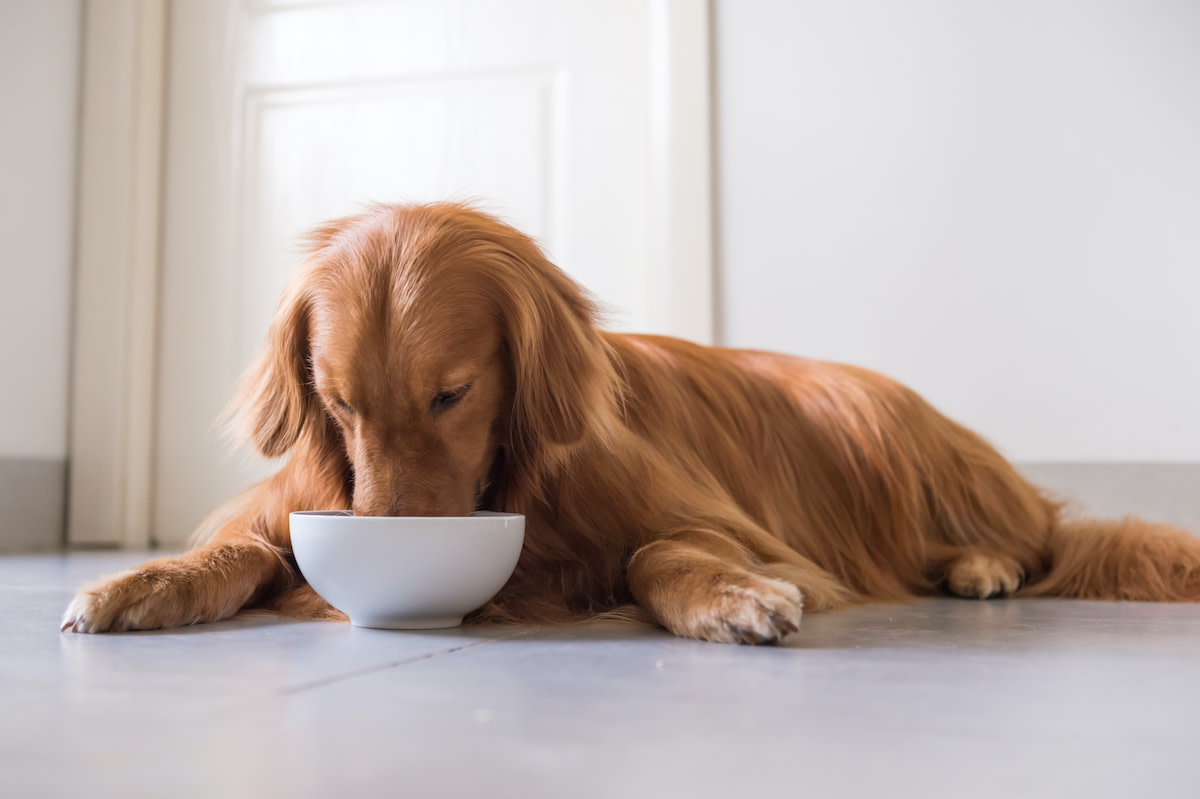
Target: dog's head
x,y
420,342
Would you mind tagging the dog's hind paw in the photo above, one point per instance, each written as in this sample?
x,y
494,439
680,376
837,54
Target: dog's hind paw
x,y
978,576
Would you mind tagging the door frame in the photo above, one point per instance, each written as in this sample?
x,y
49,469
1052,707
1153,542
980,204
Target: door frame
x,y
114,356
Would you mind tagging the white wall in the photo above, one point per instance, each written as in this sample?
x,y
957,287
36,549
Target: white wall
x,y
39,77
998,203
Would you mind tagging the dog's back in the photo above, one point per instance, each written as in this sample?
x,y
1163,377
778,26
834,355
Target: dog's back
x,y
864,477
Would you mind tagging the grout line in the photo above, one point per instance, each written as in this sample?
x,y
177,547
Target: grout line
x,y
394,664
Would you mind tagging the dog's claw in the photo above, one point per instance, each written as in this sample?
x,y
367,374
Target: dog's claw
x,y
783,625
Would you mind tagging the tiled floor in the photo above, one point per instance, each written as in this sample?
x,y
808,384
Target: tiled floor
x,y
940,698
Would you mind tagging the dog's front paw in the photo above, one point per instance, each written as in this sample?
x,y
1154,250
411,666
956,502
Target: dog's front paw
x,y
745,609
149,597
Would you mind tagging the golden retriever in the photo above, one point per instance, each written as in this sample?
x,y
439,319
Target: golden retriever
x,y
429,360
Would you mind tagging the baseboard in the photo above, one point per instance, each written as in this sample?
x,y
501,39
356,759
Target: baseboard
x,y
1160,492
33,500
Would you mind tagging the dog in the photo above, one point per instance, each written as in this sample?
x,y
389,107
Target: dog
x,y
428,360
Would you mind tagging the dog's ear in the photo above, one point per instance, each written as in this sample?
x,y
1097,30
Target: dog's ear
x,y
564,380
277,402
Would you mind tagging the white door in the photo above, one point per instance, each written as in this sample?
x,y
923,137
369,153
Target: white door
x,y
583,122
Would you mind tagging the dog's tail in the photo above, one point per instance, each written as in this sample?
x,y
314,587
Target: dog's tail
x,y
1125,559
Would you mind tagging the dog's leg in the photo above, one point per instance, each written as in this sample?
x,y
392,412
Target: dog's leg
x,y
206,584
241,563
707,585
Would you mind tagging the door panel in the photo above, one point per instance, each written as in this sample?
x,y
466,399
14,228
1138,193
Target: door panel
x,y
555,115
313,154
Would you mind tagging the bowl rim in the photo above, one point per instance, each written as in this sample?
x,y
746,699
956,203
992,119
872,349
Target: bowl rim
x,y
349,514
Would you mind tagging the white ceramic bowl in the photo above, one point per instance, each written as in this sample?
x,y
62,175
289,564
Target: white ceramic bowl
x,y
406,572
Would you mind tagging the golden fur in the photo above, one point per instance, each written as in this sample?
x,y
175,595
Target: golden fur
x,y
428,360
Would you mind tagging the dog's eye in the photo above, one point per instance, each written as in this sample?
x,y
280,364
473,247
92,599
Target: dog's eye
x,y
343,407
445,400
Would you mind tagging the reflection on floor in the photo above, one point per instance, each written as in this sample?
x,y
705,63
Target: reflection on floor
x,y
939,698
